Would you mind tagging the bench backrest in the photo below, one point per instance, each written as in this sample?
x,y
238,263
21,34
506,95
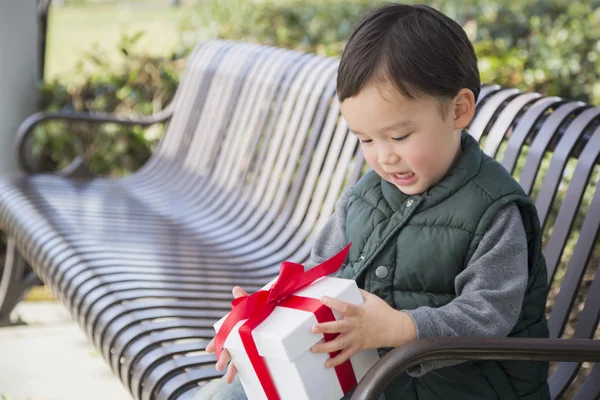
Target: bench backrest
x,y
264,123
552,147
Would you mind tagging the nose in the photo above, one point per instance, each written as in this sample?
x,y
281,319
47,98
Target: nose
x,y
386,155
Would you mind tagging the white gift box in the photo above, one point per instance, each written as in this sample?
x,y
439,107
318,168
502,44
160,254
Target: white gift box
x,y
284,340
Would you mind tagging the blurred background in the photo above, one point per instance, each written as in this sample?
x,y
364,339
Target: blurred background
x,y
127,56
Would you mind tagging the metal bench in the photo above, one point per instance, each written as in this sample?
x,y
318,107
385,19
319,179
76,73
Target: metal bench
x,y
252,160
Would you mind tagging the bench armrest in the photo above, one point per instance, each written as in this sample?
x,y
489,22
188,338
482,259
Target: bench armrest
x,y
400,359
26,128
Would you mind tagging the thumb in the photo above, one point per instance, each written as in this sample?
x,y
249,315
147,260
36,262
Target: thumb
x,y
239,292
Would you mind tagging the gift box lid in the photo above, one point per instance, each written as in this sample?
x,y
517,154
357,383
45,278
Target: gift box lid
x,y
286,333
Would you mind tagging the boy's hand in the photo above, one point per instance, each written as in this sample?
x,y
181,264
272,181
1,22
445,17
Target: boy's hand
x,y
225,357
370,325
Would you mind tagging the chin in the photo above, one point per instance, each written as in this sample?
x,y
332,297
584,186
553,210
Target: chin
x,y
409,191
412,192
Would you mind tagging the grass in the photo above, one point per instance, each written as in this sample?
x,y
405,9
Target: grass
x,y
76,29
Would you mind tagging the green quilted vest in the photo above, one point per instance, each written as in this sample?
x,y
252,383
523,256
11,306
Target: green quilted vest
x,y
408,250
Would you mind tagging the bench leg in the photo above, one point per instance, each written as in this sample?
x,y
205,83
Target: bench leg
x,y
17,278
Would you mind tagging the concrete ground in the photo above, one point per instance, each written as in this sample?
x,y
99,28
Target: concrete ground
x,y
51,359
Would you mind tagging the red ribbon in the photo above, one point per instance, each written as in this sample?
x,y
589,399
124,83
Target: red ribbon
x,y
258,306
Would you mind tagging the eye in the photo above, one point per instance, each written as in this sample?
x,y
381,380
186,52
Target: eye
x,y
366,141
401,138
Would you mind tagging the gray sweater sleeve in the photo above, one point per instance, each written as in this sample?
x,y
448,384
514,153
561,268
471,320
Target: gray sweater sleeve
x,y
332,238
485,305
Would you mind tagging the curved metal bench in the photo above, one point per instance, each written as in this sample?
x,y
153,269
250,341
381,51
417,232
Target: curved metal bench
x,y
253,158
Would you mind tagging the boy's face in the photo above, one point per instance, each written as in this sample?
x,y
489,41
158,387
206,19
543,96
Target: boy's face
x,y
406,141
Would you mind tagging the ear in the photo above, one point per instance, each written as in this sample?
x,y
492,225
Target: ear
x,y
464,108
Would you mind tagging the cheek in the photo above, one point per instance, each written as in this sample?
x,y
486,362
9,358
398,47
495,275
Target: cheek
x,y
430,162
371,158
425,160
419,161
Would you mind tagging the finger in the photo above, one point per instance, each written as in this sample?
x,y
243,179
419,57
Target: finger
x,y
340,358
337,344
339,326
210,347
238,292
335,304
364,294
231,371
223,360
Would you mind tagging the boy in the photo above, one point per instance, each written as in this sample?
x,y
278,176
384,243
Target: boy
x,y
445,242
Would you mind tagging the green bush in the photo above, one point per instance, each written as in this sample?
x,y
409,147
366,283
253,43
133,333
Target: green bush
x,y
140,85
549,46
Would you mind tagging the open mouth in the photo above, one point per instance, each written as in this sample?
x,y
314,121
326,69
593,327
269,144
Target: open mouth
x,y
404,178
404,175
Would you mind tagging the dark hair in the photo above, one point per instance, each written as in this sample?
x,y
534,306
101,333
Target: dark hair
x,y
417,49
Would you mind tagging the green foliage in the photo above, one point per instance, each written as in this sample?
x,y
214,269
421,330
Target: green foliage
x,y
549,46
320,27
140,85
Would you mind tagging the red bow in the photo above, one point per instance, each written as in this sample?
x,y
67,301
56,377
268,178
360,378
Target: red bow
x,y
258,306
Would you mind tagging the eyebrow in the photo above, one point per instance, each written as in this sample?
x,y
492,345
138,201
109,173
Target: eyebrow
x,y
394,126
